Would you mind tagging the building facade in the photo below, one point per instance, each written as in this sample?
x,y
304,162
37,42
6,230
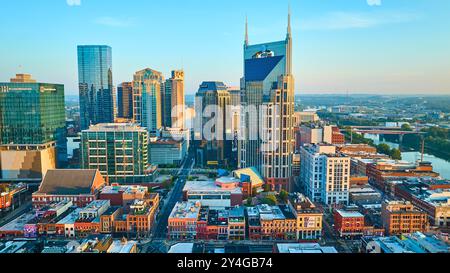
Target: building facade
x,y
213,143
173,96
95,85
118,151
324,174
33,113
125,100
147,104
268,89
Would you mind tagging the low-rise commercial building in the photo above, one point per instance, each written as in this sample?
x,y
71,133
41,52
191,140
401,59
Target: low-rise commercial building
x,y
221,193
79,186
400,217
182,222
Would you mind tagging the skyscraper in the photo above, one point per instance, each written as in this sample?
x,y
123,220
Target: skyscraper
x,y
33,113
268,86
125,100
147,110
95,85
174,97
213,145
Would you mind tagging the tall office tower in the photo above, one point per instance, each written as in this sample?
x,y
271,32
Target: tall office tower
x,y
147,112
174,97
213,138
125,100
119,151
33,113
95,85
267,131
325,174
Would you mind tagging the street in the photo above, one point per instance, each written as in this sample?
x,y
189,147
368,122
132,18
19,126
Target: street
x,y
159,233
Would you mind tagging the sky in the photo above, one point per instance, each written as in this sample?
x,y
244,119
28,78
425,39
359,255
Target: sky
x,y
340,46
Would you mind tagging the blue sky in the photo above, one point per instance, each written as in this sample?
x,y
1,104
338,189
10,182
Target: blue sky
x,y
356,46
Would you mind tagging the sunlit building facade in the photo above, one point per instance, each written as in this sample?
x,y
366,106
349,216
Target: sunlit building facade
x,y
95,85
268,86
33,113
147,103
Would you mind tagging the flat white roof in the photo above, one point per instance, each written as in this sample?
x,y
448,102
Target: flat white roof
x,y
183,248
345,213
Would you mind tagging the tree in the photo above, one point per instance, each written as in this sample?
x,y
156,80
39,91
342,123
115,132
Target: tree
x,y
383,148
249,201
396,154
406,127
284,195
270,200
266,188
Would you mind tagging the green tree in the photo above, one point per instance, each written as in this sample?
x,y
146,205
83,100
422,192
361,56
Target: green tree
x,y
406,127
396,154
270,200
266,188
284,195
383,148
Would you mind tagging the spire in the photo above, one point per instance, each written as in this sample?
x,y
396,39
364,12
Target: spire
x,y
289,21
246,30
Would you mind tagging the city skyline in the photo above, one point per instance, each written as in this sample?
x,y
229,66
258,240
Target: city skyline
x,y
340,46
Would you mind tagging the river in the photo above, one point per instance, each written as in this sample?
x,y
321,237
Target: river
x,y
439,165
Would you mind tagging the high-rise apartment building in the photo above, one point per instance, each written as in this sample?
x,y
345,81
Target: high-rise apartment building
x,y
125,100
173,96
33,113
268,88
118,151
213,137
324,174
95,85
147,103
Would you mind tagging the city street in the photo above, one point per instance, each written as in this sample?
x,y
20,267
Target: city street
x,y
159,233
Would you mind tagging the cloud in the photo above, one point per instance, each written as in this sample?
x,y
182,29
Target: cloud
x,y
352,20
113,22
374,2
73,2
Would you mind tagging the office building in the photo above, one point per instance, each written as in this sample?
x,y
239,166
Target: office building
x,y
147,103
324,174
167,151
213,143
27,161
268,88
173,101
33,113
118,150
125,100
95,85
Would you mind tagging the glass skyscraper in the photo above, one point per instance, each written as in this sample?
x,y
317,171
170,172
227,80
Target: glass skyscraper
x,y
95,85
268,85
33,113
148,85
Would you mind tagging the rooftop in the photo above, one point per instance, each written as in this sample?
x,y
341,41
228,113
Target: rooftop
x,y
68,182
208,186
350,214
186,210
115,127
311,248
